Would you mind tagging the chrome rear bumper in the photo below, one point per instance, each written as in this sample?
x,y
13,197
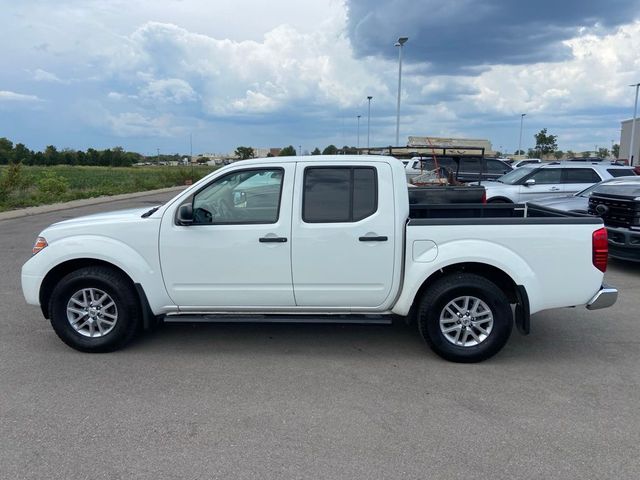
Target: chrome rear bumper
x,y
605,297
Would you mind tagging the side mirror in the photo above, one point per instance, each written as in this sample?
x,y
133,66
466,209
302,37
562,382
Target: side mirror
x,y
239,199
530,182
185,214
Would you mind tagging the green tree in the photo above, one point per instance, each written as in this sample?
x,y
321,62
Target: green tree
x,y
558,154
330,150
546,143
519,152
533,153
346,150
571,154
244,153
615,150
316,151
585,154
288,152
51,155
22,154
603,152
6,151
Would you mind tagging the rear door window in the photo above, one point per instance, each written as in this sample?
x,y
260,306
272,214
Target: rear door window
x,y
496,166
580,175
471,165
339,194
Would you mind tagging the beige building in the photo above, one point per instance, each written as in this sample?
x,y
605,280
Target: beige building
x,y
452,142
625,140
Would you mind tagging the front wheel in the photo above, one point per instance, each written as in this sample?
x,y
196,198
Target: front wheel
x,y
94,309
465,318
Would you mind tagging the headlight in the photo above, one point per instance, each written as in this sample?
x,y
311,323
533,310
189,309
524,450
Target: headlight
x,y
39,245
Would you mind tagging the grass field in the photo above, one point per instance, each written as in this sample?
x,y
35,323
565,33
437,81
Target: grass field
x,y
24,186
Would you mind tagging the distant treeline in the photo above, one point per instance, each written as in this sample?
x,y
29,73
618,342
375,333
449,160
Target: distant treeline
x,y
111,157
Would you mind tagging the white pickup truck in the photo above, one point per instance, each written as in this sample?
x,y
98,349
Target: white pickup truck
x,y
312,239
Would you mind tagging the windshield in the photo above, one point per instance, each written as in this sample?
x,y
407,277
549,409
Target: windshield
x,y
589,190
513,176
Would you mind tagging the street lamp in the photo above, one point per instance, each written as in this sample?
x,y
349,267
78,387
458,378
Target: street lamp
x,y
633,126
520,141
401,41
358,142
368,121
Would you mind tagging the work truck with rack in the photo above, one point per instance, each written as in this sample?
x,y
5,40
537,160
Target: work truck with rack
x,y
315,239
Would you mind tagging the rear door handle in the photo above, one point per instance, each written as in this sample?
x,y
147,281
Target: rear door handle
x,y
373,239
272,239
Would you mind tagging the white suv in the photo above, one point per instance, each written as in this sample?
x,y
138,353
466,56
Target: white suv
x,y
535,181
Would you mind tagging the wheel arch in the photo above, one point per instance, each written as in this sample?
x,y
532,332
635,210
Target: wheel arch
x,y
499,199
515,293
59,271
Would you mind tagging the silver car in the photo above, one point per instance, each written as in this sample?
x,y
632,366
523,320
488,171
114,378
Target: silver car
x,y
531,182
579,202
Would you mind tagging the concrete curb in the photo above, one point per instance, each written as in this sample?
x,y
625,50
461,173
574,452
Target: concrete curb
x,y
84,202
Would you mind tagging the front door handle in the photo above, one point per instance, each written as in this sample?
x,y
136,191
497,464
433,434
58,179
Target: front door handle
x,y
555,189
373,239
272,239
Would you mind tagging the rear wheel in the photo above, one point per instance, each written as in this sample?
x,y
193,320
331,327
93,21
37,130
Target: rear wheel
x,y
465,318
95,309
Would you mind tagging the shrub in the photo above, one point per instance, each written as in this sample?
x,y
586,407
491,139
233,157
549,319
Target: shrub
x,y
52,184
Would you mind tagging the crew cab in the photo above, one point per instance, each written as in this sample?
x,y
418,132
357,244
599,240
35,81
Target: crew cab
x,y
309,239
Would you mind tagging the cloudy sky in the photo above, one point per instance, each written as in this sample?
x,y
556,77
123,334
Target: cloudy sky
x,y
147,74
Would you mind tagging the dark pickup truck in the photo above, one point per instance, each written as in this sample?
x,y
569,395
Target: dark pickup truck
x,y
618,204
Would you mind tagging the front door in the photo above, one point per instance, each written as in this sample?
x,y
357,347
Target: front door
x,y
237,252
343,229
548,183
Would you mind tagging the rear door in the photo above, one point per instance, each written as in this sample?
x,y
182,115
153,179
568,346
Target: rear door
x,y
343,231
576,179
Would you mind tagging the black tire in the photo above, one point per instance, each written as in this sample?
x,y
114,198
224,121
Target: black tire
x,y
452,287
114,284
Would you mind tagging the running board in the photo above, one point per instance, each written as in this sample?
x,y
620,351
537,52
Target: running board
x,y
253,318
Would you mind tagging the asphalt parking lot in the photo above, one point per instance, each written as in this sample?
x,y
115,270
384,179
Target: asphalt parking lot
x,y
316,401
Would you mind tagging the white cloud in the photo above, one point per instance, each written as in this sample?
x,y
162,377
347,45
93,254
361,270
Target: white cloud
x,y
133,124
40,75
597,75
8,96
174,65
172,90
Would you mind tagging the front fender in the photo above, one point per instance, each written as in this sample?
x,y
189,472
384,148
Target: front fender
x,y
141,268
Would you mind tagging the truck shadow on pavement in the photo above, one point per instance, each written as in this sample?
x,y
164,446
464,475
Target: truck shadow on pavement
x,y
548,341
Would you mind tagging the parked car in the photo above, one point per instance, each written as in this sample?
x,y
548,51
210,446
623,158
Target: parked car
x,y
618,203
577,203
525,161
308,239
464,169
556,179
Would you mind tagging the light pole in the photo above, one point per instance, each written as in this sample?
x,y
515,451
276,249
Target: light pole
x,y
401,41
368,121
358,142
520,141
633,126
300,150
